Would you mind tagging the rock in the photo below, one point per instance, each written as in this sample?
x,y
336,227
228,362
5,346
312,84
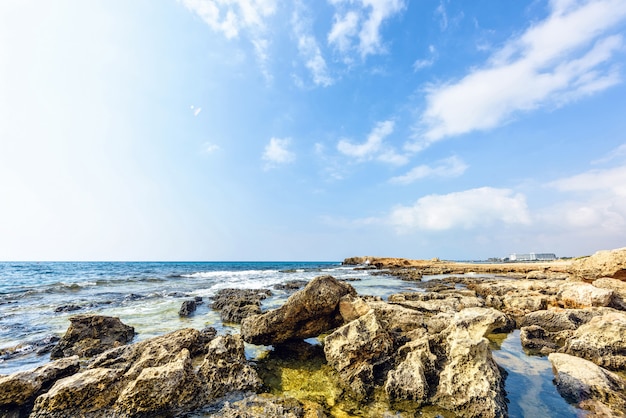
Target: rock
x,y
602,264
414,378
19,390
602,340
67,308
89,335
264,405
433,302
165,390
352,307
40,347
516,297
187,308
236,304
589,386
534,337
153,378
469,364
582,295
225,368
307,313
356,349
619,291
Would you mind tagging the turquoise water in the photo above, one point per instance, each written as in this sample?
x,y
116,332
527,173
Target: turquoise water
x,y
148,296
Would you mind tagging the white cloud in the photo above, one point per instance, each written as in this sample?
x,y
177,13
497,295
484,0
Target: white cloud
x,y
616,154
196,110
277,152
610,180
443,16
468,209
309,49
357,25
232,16
373,147
568,55
420,64
449,167
209,148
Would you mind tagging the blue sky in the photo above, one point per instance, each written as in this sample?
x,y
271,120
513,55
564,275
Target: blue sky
x,y
311,130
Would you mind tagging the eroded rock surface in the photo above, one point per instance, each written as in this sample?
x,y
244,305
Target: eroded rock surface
x,y
89,335
307,313
610,263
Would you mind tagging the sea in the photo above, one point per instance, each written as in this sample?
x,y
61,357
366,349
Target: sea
x,y
38,298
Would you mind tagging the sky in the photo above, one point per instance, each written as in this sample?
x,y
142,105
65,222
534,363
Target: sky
x,y
311,130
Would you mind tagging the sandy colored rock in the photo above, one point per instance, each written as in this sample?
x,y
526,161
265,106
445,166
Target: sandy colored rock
x,y
602,340
608,263
619,291
307,313
583,295
589,386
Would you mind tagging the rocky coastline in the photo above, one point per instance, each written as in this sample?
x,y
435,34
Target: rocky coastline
x,y
426,351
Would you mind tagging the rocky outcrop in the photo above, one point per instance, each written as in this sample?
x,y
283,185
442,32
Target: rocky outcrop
x,y
618,287
236,304
156,377
602,340
19,390
356,349
610,263
89,335
581,295
307,313
187,308
589,386
444,301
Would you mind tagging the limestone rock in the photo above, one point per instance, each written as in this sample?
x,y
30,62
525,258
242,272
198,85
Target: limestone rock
x,y
610,263
236,304
591,387
18,390
355,349
602,340
352,307
470,383
89,335
307,313
582,295
619,291
225,368
433,302
533,337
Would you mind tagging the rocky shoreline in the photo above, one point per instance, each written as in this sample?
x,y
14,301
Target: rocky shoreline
x,y
423,351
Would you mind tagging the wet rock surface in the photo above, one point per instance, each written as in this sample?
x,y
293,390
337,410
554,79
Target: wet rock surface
x,y
236,304
89,335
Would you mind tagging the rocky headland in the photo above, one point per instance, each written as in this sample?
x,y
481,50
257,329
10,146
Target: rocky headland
x,y
424,351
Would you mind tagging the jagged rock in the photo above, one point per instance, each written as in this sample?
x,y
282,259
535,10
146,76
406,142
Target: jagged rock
x,y
589,386
414,378
236,304
225,368
40,347
602,264
469,364
153,378
307,313
619,291
356,349
89,335
67,308
602,340
533,337
19,390
187,308
582,295
516,297
264,405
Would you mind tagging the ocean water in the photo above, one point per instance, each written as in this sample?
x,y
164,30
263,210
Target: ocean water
x,y
148,295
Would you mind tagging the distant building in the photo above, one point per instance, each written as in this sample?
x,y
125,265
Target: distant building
x,y
532,257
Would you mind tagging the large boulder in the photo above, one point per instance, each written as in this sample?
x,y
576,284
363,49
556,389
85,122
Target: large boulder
x,y
19,390
470,382
583,295
610,263
602,340
236,304
356,349
89,335
589,386
307,313
619,291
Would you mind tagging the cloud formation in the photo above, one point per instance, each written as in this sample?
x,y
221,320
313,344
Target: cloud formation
x,y
357,25
373,148
308,47
468,209
448,168
568,55
277,152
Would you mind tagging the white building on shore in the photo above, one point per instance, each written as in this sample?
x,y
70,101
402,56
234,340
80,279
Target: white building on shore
x,y
532,257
